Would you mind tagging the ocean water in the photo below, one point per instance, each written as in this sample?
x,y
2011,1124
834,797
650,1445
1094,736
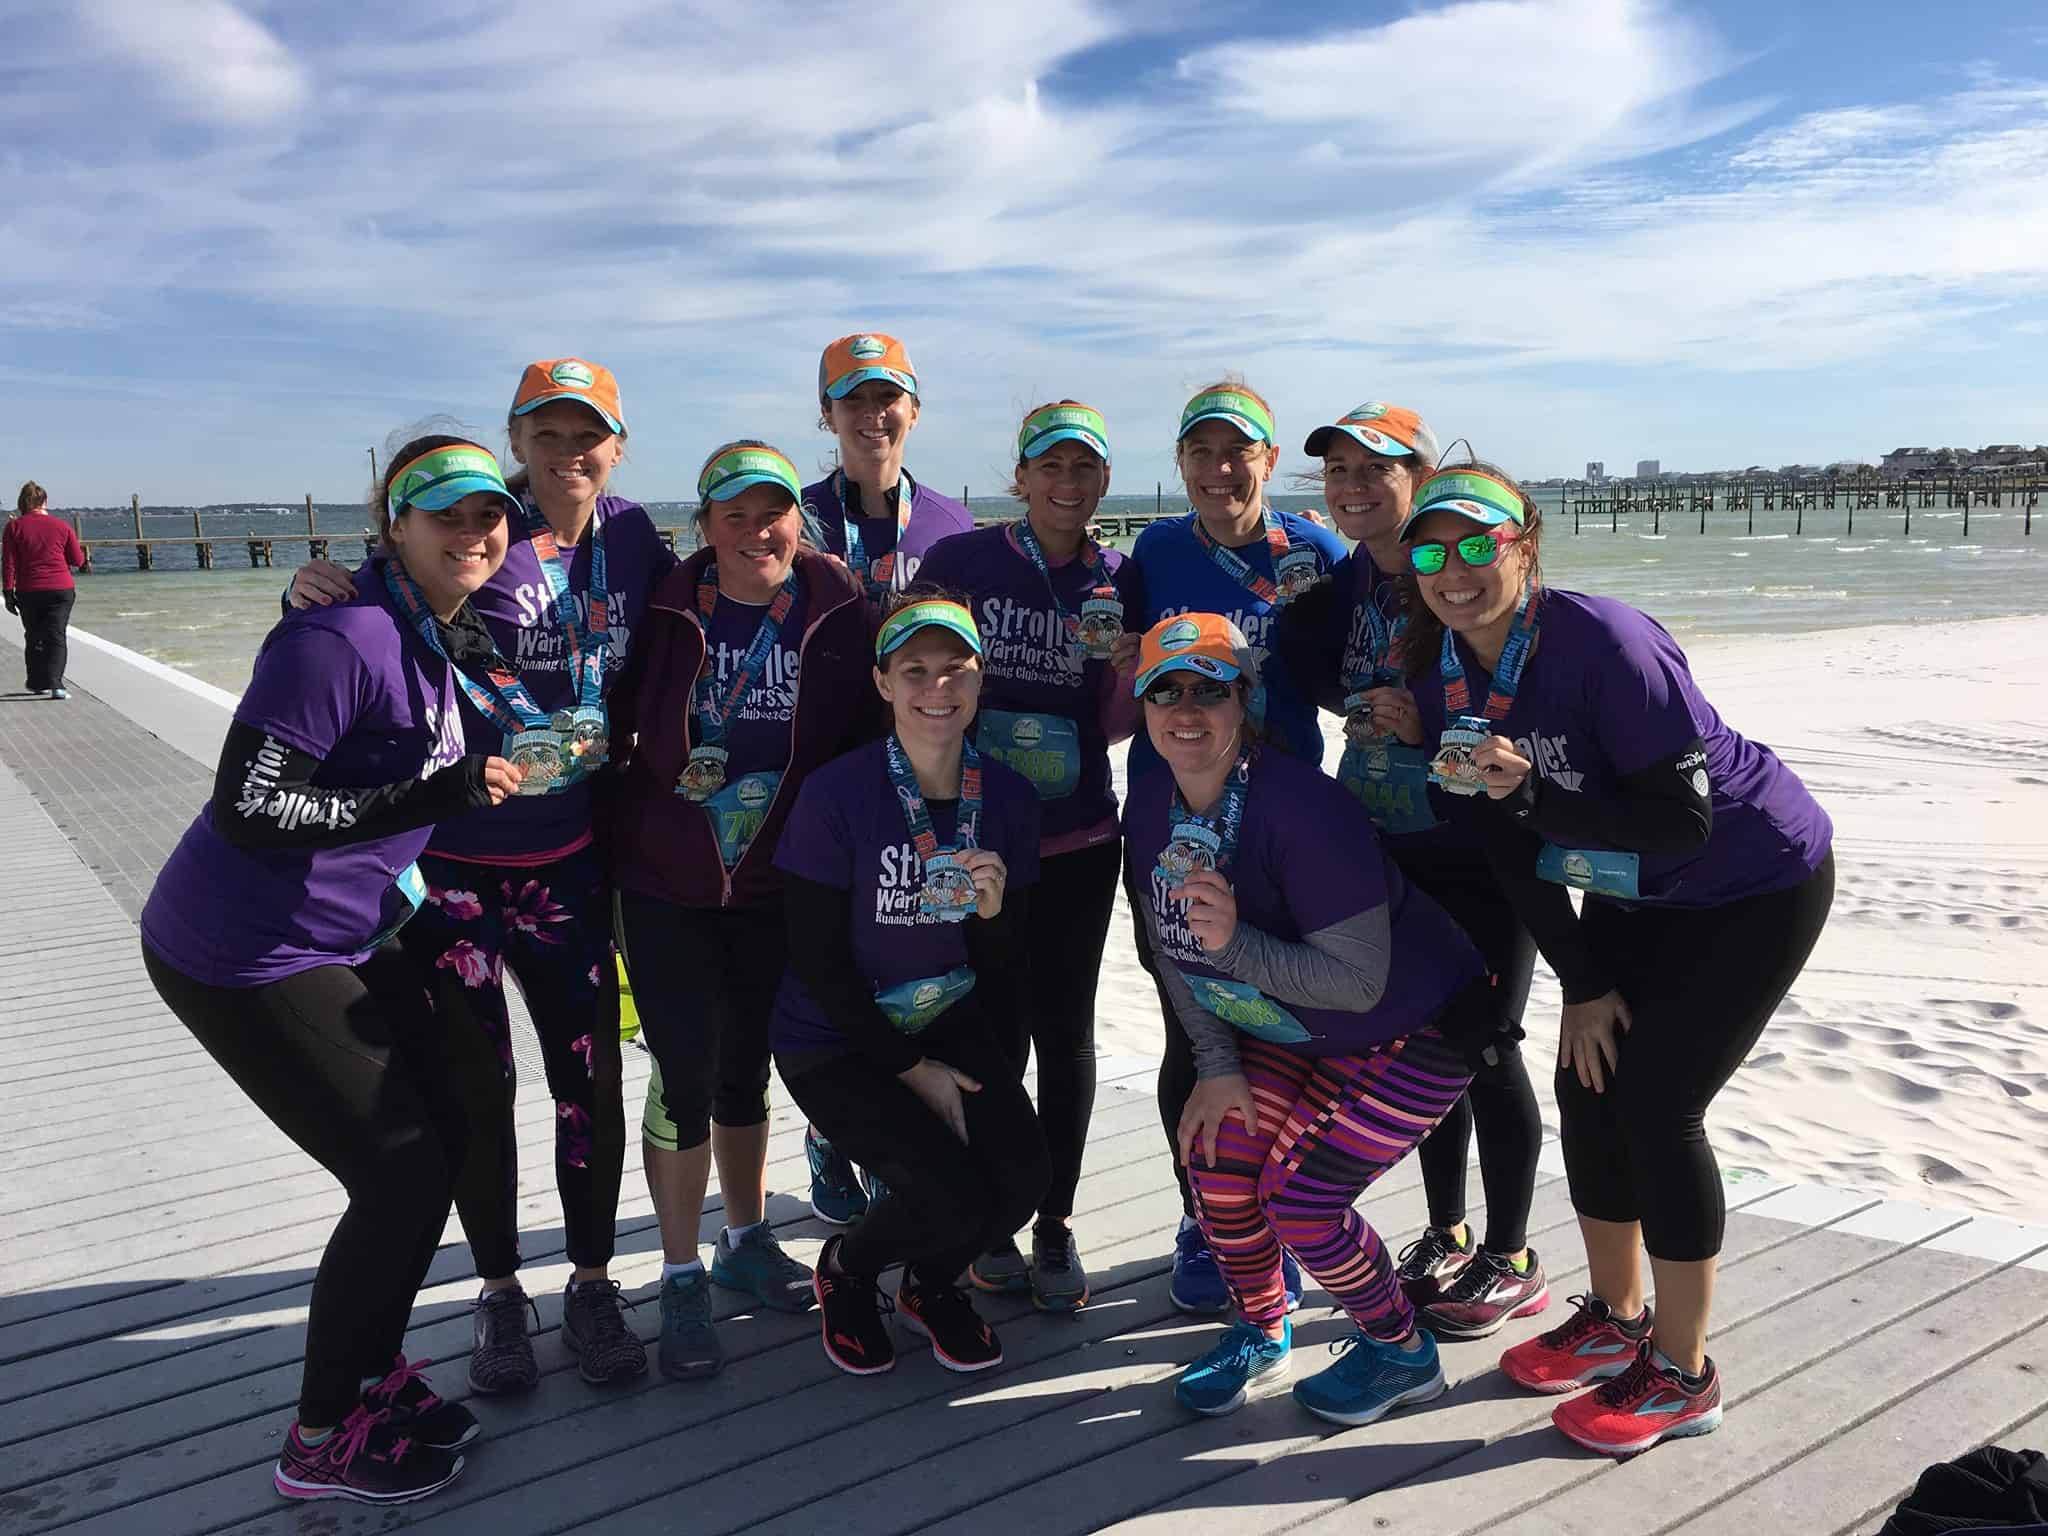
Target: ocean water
x,y
1725,581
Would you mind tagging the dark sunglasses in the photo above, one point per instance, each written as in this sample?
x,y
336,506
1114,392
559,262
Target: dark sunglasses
x,y
1475,549
1206,695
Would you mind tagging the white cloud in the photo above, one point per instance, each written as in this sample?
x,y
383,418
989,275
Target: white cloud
x,y
208,58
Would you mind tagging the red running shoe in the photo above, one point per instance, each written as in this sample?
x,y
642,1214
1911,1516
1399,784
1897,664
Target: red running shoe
x,y
1647,1403
1485,1294
1586,1347
850,1318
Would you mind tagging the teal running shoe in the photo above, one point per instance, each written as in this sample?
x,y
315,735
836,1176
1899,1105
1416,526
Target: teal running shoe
x,y
1371,1379
689,1345
757,1265
1244,1361
836,1198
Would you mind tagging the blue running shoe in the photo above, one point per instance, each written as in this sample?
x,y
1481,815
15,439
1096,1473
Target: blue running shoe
x,y
1242,1362
835,1197
1290,1280
872,1184
1197,1282
1371,1379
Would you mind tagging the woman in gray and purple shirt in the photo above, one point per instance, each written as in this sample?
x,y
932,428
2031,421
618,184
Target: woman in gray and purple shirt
x,y
1570,729
268,934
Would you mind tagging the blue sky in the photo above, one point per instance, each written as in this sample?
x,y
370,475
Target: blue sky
x,y
243,240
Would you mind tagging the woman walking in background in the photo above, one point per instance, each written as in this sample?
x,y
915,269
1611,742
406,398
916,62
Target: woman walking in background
x,y
1571,727
268,935
38,553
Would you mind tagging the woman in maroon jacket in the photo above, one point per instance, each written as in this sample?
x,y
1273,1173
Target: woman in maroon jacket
x,y
750,669
37,556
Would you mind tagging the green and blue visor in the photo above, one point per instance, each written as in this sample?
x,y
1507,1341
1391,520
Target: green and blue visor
x,y
440,477
735,469
1081,424
931,613
1231,405
1469,493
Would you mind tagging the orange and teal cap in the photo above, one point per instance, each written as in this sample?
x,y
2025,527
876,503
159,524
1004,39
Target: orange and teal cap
x,y
570,378
1067,422
1207,644
1392,431
852,360
442,476
1471,493
732,470
927,613
1236,406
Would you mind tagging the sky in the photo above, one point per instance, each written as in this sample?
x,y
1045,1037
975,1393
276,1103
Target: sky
x,y
244,241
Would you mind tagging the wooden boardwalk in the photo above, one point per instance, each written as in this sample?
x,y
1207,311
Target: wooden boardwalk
x,y
161,1237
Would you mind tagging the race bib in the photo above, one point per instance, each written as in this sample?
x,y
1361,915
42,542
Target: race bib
x,y
912,1005
1602,871
1391,781
737,812
1046,749
1245,1007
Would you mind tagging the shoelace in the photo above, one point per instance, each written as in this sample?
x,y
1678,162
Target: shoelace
x,y
1637,1378
607,1321
1422,1256
1474,1278
403,1375
783,1269
1577,1326
828,1167
1243,1343
686,1303
502,1311
828,1283
354,1434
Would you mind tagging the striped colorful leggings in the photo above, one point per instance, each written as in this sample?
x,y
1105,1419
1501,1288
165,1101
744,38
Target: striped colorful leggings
x,y
1328,1127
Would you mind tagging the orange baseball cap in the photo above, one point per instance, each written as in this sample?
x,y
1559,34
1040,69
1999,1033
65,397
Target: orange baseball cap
x,y
1392,431
1207,644
570,378
853,360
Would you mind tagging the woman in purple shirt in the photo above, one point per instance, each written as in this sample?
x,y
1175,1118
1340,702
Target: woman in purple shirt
x,y
1329,1006
268,934
1051,605
1569,729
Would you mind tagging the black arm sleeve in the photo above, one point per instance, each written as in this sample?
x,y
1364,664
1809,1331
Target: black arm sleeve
x,y
820,923
264,797
1300,642
1544,907
996,950
1664,808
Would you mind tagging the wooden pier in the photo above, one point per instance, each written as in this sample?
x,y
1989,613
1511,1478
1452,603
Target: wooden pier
x,y
1689,500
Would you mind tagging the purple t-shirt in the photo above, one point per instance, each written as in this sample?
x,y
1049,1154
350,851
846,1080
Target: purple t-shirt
x,y
353,686
1607,693
848,830
757,731
932,518
519,609
1308,856
1030,670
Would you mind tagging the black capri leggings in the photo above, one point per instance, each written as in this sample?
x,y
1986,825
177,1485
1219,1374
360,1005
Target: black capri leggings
x,y
704,981
347,1062
1701,984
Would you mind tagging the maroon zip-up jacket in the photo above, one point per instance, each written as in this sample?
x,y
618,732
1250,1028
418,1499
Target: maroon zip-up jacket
x,y
660,843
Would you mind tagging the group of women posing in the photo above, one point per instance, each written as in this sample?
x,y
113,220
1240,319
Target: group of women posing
x,y
837,788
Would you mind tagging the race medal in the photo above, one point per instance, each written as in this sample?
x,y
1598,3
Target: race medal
x,y
1452,768
1295,573
704,775
1358,727
588,735
1102,625
1191,848
948,892
539,757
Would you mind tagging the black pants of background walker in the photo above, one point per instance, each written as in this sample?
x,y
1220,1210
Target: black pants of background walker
x,y
45,622
946,1203
346,1061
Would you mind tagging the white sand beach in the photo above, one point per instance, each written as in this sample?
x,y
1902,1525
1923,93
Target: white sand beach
x,y
1911,1059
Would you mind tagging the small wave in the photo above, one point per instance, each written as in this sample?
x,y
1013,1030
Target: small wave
x,y
1852,549
146,613
1758,538
1800,594
1740,554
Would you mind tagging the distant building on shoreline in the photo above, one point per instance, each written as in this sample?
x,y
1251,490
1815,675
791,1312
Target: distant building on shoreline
x,y
1649,469
1596,471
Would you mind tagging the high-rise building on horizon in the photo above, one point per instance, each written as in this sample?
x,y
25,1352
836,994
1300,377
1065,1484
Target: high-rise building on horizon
x,y
1649,469
1596,470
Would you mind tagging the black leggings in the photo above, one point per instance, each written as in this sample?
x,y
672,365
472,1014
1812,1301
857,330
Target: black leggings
x,y
1701,984
704,981
1067,924
945,1203
45,643
345,1061
1500,1100
1177,1060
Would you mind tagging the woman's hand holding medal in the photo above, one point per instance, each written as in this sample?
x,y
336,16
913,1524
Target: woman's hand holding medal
x,y
501,779
1212,907
1393,710
1504,767
990,874
1123,656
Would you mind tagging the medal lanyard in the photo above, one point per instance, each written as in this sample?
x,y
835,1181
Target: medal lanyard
x,y
1507,676
1359,671
586,655
966,824
1091,559
856,553
1233,564
713,712
512,708
1229,819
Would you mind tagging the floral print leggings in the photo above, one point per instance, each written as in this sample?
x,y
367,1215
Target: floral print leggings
x,y
551,925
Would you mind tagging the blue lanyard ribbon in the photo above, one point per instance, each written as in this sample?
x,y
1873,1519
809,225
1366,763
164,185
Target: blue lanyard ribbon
x,y
1091,559
1507,676
586,652
512,709
966,823
712,712
1233,565
1363,671
856,552
1228,821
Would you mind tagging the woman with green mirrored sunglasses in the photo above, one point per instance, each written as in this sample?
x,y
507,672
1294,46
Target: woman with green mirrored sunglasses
x,y
1475,549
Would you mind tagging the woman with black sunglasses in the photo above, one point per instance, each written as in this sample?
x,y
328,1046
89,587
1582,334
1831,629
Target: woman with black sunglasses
x,y
1568,729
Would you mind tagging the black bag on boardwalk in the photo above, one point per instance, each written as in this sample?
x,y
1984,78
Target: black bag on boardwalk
x,y
1989,1492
